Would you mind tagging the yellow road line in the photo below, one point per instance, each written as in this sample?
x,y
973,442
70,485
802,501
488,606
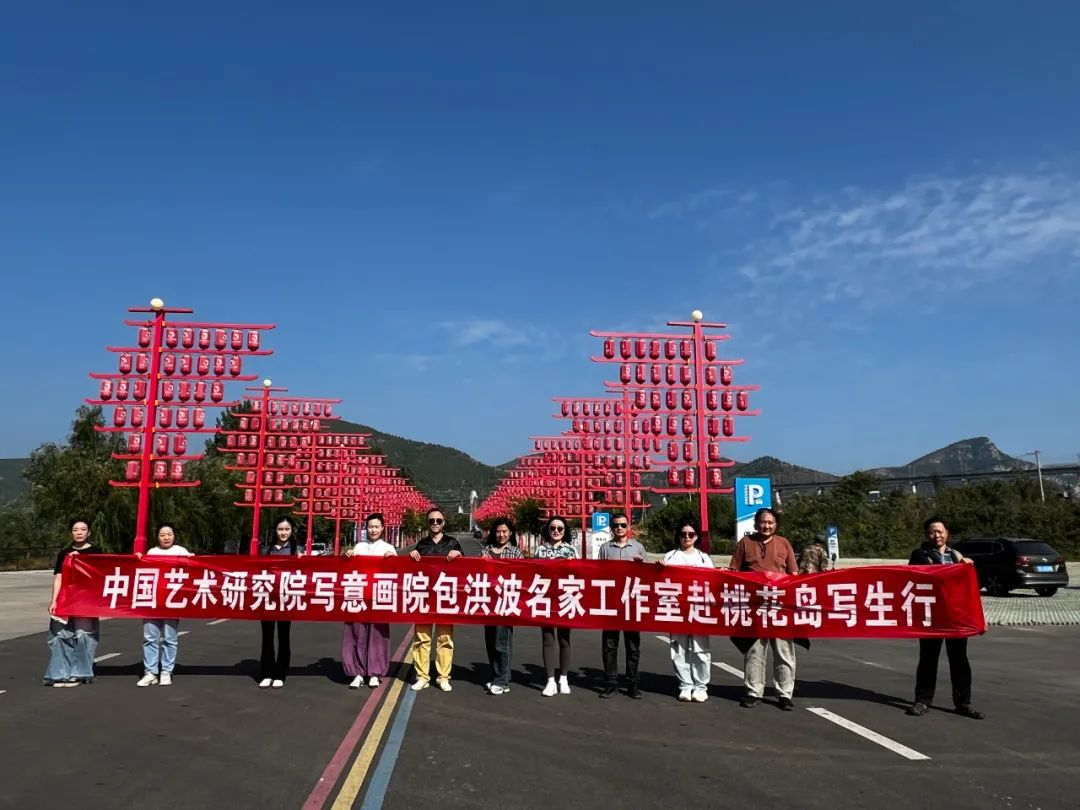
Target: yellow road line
x,y
358,772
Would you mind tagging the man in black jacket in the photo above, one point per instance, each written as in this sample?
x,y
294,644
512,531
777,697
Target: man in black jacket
x,y
434,544
936,551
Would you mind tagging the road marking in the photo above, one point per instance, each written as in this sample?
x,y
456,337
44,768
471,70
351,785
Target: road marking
x,y
106,657
3,691
215,621
355,779
738,673
182,633
325,785
867,734
380,780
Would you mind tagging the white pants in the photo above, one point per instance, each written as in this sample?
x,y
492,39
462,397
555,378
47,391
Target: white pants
x,y
692,661
783,650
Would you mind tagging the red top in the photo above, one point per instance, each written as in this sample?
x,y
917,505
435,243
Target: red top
x,y
775,555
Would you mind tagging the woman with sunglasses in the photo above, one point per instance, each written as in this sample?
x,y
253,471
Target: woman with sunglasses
x,y
555,545
434,544
690,654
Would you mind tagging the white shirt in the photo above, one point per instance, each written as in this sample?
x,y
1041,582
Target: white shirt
x,y
695,558
376,548
172,551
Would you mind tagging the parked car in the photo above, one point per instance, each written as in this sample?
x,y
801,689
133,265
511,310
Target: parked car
x,y
1008,563
319,549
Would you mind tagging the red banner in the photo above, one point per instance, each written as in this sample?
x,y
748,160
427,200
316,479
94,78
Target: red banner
x,y
869,602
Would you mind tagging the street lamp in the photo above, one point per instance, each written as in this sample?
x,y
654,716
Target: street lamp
x,y
1038,467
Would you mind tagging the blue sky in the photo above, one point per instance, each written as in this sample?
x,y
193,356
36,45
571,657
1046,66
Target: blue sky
x,y
436,204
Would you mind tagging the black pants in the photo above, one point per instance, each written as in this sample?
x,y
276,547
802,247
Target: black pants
x,y
632,642
548,636
499,640
959,670
271,666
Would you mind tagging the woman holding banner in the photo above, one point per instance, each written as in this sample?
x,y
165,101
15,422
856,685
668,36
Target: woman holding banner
x,y
72,640
275,668
160,639
365,648
556,545
690,655
499,638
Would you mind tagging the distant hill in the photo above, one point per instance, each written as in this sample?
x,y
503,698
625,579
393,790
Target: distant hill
x,y
966,456
12,484
781,472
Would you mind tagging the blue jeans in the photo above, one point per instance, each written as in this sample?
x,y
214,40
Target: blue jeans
x,y
157,632
72,647
499,640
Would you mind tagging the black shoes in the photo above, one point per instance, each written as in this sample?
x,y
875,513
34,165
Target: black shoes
x,y
607,692
749,702
918,709
634,693
967,711
786,705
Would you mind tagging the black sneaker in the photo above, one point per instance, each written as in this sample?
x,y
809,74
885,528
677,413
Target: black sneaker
x,y
634,693
967,711
918,709
785,704
608,691
749,702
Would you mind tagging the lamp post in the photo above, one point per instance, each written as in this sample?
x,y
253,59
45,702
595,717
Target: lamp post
x,y
1038,467
681,390
176,370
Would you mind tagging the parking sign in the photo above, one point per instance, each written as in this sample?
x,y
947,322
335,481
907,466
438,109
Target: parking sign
x,y
751,494
601,521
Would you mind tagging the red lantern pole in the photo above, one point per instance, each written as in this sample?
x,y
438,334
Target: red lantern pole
x,y
142,511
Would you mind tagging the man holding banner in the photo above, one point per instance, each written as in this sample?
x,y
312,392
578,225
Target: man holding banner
x,y
765,550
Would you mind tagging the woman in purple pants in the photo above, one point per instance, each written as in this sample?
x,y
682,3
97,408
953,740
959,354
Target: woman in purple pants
x,y
365,649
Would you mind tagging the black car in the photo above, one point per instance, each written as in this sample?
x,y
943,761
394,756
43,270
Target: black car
x,y
1007,563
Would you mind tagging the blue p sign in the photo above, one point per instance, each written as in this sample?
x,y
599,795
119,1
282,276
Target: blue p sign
x,y
600,521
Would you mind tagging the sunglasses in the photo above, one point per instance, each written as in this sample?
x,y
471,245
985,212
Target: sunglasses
x,y
687,534
554,529
620,525
436,521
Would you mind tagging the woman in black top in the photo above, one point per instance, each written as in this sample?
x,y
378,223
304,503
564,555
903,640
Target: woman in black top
x,y
274,669
73,640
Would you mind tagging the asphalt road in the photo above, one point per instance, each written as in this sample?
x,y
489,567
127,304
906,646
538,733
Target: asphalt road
x,y
215,739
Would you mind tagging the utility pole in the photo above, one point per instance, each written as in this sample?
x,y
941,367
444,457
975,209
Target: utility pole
x,y
1038,467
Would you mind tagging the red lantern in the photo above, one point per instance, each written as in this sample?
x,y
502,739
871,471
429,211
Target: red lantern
x,y
136,417
670,350
168,390
711,400
140,390
172,336
657,424
640,348
144,337
160,470
654,349
710,375
714,451
688,451
120,416
609,349
725,375
105,391
179,444
182,418
727,401
219,365
185,364
565,408
742,401
187,337
123,388
716,480
640,374
654,400
131,472
671,375
687,400
125,363
142,363
641,399
236,339
672,425
686,350
671,399
249,496
134,443
688,425
713,426
164,417
686,376
710,350
728,426
198,417
624,349
253,340
161,444
220,338
217,391
673,476
690,477
202,365
656,375
176,471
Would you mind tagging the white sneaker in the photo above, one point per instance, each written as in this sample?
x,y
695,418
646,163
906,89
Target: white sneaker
x,y
373,682
277,684
446,687
166,679
265,683
701,695
564,686
356,682
149,679
685,696
497,690
421,683
64,684
487,686
551,688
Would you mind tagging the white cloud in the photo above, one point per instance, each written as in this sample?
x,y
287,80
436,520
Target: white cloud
x,y
479,331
